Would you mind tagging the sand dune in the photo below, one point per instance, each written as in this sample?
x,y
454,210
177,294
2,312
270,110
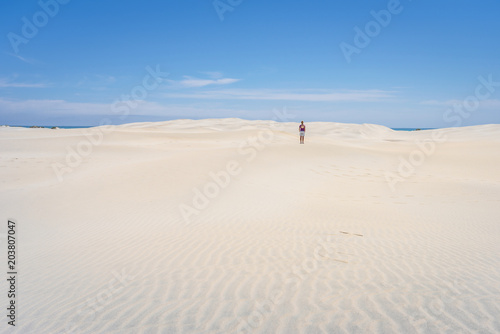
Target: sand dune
x,y
231,226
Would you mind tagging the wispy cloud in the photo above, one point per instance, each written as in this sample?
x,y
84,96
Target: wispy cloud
x,y
48,108
7,83
287,95
488,104
440,103
192,82
214,75
63,107
51,106
26,60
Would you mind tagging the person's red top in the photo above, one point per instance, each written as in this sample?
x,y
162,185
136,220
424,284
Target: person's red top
x,y
302,127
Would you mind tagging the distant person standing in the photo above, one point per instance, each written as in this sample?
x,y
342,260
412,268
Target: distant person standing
x,y
302,131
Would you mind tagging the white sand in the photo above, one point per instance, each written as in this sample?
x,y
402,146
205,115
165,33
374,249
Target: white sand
x,y
334,236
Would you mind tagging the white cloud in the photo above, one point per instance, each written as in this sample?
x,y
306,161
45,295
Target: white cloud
x,y
491,104
288,95
26,60
487,104
62,107
192,82
52,107
6,83
214,75
440,103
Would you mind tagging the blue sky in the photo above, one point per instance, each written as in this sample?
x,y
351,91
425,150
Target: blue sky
x,y
74,62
